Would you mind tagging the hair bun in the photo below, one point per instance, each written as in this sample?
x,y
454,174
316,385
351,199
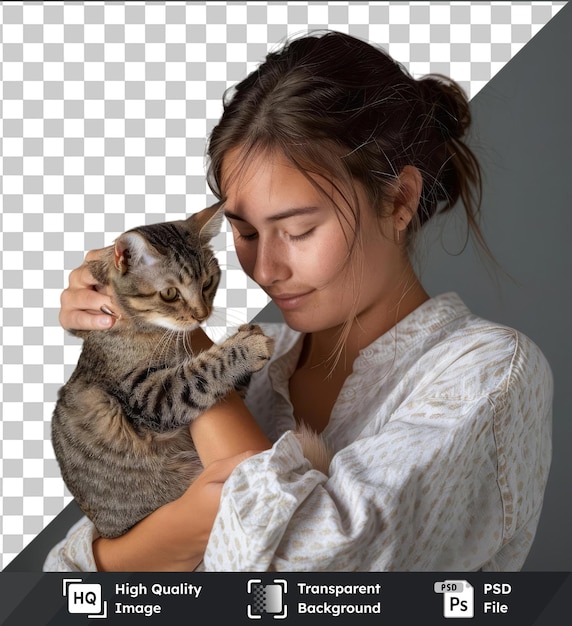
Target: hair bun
x,y
447,104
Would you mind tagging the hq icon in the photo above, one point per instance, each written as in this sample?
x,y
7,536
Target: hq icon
x,y
84,598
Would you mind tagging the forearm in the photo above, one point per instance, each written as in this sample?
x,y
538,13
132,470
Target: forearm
x,y
163,541
175,536
226,430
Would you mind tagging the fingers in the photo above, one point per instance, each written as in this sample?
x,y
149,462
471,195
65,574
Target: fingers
x,y
206,490
218,471
78,319
81,277
198,506
94,255
85,305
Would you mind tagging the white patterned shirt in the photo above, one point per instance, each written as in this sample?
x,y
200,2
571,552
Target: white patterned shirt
x,y
442,442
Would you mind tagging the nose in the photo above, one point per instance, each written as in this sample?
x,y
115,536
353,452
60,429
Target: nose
x,y
200,316
200,309
271,264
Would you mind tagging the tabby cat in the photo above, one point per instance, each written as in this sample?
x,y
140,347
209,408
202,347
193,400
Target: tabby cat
x,y
120,426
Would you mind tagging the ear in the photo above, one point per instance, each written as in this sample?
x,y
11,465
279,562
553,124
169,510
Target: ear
x,y
132,249
208,221
406,198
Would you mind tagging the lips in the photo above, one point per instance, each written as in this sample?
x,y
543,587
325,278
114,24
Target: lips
x,y
289,301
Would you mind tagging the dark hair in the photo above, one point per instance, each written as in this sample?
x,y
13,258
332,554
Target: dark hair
x,y
339,107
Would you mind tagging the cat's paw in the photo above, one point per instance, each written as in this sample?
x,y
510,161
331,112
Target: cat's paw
x,y
258,346
250,329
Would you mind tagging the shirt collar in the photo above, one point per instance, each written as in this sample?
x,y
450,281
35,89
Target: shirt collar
x,y
424,321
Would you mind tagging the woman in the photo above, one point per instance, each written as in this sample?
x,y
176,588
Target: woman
x,y
329,158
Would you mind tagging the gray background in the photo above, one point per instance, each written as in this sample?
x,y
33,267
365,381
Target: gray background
x,y
105,109
522,135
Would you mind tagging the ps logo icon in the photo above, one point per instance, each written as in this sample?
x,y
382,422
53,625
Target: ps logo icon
x,y
84,598
458,598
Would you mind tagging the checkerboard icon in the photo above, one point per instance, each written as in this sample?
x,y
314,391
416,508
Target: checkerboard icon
x,y
267,599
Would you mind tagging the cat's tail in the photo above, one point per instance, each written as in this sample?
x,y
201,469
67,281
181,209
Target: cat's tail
x,y
315,448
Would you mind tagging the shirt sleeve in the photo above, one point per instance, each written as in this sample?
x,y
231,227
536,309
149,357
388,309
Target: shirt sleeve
x,y
74,553
385,506
432,489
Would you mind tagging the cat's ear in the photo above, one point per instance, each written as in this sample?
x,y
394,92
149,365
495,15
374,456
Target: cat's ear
x,y
208,221
132,249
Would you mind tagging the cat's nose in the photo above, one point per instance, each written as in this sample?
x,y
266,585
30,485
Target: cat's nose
x,y
199,308
200,315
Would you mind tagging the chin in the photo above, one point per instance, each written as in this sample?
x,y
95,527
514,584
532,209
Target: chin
x,y
171,325
302,323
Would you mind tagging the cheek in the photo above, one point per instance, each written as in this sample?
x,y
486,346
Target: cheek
x,y
326,271
329,259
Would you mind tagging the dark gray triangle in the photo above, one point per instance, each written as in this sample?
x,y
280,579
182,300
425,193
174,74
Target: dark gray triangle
x,y
523,137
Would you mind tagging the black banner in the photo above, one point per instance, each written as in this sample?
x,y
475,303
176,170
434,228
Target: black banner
x,y
520,599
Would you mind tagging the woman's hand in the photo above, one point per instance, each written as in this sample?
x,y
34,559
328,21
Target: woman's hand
x,y
84,302
87,305
175,536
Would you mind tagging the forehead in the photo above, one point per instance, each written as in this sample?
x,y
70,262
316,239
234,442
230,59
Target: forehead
x,y
269,177
242,166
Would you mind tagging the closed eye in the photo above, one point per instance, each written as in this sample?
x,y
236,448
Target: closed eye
x,y
250,237
254,235
302,236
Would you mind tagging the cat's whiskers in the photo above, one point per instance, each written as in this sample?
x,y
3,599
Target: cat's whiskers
x,y
187,343
226,318
160,353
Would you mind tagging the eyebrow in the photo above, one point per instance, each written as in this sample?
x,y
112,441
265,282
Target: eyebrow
x,y
283,215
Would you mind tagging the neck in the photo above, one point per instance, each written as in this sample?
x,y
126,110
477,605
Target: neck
x,y
337,348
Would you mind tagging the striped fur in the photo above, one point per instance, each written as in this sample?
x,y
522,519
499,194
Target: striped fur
x,y
120,426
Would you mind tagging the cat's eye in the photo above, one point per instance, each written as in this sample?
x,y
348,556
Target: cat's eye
x,y
170,294
208,283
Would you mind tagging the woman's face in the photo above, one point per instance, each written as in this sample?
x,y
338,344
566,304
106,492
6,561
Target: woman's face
x,y
291,241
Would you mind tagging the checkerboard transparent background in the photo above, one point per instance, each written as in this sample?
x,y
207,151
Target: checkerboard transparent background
x,y
105,110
